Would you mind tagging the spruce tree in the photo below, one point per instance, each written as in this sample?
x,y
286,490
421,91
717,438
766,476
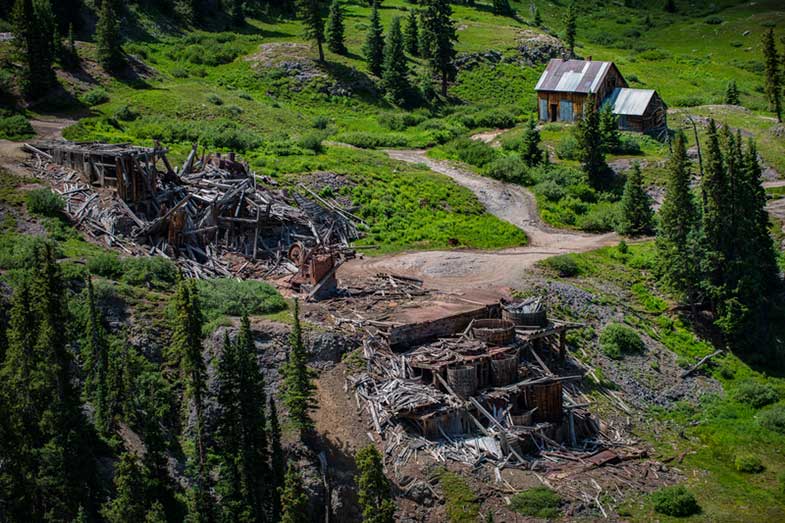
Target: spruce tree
x,y
591,148
537,17
314,23
335,37
570,27
502,8
96,364
637,214
32,25
108,43
129,503
294,502
373,487
531,154
609,129
374,44
297,389
277,461
439,39
774,81
237,12
716,225
394,70
676,234
411,34
732,93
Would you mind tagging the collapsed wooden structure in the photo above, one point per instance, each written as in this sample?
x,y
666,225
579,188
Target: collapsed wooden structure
x,y
197,214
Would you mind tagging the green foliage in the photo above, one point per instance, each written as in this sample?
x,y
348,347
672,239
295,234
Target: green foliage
x,y
108,42
294,501
14,127
312,142
565,265
773,74
616,340
394,69
335,29
374,489
313,23
732,93
570,23
438,42
509,169
95,96
126,113
591,148
755,394
773,418
374,44
473,152
675,501
215,99
411,34
502,8
152,271
232,297
568,148
540,502
637,214
461,502
748,463
531,153
372,140
44,202
33,27
129,503
298,391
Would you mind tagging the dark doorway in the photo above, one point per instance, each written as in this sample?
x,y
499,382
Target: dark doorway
x,y
554,112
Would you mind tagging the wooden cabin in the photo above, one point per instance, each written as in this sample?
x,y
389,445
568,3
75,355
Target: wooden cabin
x,y
565,85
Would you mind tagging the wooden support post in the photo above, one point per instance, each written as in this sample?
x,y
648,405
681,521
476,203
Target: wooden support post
x,y
562,345
571,420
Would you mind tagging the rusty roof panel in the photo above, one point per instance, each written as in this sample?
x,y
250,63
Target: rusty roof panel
x,y
573,76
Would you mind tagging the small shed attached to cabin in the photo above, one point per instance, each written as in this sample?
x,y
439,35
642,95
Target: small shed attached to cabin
x,y
639,110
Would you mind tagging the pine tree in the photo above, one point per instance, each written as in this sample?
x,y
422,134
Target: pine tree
x,y
440,37
637,214
237,12
277,461
531,154
335,38
502,8
32,24
374,44
156,514
609,129
373,487
537,17
394,70
591,149
313,22
70,57
425,39
570,27
294,502
676,235
108,43
129,503
411,34
716,226
96,364
732,93
297,388
773,74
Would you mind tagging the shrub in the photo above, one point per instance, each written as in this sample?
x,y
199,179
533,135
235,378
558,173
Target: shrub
x,y
540,502
312,142
551,190
567,148
564,265
244,96
108,265
713,20
627,145
399,121
773,418
748,463
180,72
461,502
95,96
126,113
500,118
15,127
366,140
473,152
675,501
755,394
602,217
44,202
616,340
321,122
155,272
509,169
214,99
228,296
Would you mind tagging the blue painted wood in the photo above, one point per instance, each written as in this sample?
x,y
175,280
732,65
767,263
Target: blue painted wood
x,y
565,111
544,110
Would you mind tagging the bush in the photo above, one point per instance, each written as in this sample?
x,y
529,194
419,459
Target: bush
x,y
108,265
755,394
473,152
773,419
616,340
312,142
228,296
15,127
567,148
321,122
564,265
627,145
602,217
748,463
551,190
540,502
399,121
509,169
713,20
675,501
366,140
155,272
126,113
44,202
214,99
499,118
95,96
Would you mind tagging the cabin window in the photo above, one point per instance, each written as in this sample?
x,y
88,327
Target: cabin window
x,y
543,109
565,111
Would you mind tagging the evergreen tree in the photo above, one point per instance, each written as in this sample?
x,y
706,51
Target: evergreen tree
x,y
425,38
297,388
570,27
609,129
394,70
374,44
716,226
70,56
156,514
537,17
637,214
314,23
676,235
373,487
277,461
129,503
32,25
591,148
502,8
670,6
773,74
108,43
294,502
440,37
335,38
732,93
96,364
237,12
411,34
531,154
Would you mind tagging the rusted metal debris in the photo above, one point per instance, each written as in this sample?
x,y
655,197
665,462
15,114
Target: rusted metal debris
x,y
212,215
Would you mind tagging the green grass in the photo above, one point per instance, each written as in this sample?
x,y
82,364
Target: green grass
x,y
461,503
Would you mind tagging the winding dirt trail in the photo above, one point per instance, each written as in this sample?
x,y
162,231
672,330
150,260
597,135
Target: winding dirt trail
x,y
472,271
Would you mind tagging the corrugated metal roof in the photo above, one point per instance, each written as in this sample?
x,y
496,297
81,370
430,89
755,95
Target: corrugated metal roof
x,y
630,102
573,76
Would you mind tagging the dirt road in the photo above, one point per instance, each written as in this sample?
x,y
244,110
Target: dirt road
x,y
470,271
12,154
